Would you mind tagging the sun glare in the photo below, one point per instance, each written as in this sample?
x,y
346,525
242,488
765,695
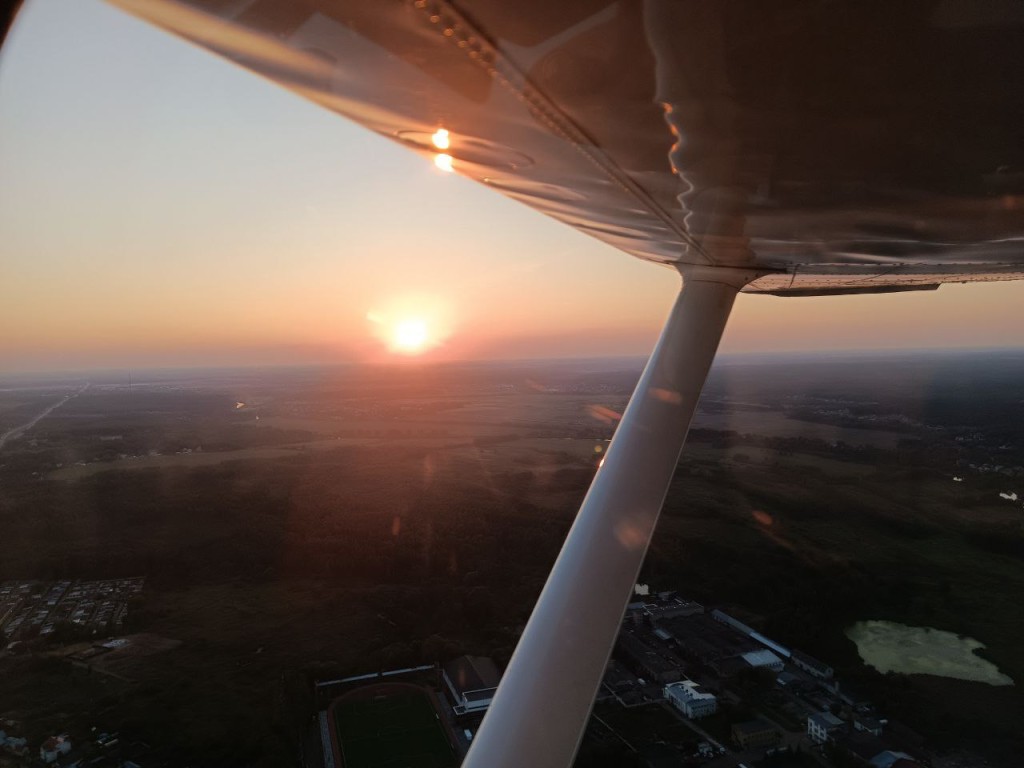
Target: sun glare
x,y
410,336
411,324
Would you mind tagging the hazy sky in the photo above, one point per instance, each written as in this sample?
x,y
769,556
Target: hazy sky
x,y
161,206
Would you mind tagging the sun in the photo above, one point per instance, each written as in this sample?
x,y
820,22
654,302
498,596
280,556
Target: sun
x,y
411,325
410,336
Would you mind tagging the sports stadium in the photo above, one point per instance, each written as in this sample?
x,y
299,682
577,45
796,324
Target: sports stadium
x,y
390,725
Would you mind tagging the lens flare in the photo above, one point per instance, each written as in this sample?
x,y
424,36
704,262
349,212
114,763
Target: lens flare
x,y
444,162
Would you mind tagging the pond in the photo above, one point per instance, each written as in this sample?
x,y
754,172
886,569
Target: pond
x,y
891,647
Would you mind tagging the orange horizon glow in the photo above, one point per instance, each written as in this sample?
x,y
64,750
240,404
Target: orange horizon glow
x,y
135,234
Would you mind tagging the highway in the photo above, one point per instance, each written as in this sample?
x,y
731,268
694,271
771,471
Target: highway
x,y
15,432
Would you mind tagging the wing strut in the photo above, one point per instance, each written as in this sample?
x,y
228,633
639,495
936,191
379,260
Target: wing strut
x,y
542,706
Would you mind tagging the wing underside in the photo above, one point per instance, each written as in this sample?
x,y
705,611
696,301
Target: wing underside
x,y
831,147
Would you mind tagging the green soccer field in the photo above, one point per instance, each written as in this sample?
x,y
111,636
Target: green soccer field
x,y
396,728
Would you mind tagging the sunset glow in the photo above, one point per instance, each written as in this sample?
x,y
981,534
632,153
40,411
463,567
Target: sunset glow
x,y
410,336
194,254
411,324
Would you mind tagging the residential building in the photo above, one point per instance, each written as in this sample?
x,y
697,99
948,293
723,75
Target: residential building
x,y
54,747
868,724
690,699
16,745
822,726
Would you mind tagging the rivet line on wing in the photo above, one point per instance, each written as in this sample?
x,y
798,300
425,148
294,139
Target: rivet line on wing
x,y
459,31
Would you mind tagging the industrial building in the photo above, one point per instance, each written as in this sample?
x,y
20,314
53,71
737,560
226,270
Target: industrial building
x,y
690,699
471,681
706,640
755,733
764,659
812,666
670,609
649,660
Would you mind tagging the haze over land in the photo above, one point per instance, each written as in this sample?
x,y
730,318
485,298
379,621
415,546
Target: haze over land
x,y
347,519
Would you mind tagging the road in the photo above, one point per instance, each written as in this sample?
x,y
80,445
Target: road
x,y
15,432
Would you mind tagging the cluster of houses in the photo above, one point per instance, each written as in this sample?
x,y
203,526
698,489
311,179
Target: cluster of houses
x,y
100,750
11,739
14,743
35,609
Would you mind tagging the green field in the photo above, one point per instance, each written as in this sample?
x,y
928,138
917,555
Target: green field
x,y
397,728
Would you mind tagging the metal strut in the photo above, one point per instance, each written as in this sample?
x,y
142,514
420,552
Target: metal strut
x,y
542,705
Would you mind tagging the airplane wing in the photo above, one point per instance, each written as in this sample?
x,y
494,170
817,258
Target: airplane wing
x,y
805,148
832,147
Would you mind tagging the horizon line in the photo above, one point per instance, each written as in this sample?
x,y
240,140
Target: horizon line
x,y
739,356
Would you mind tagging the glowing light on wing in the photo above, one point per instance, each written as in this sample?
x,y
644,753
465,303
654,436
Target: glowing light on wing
x,y
441,139
444,162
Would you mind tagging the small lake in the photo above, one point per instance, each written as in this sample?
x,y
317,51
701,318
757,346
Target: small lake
x,y
891,647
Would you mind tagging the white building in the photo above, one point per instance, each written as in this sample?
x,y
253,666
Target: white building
x,y
821,726
688,697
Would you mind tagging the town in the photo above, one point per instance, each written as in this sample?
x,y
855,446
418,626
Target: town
x,y
687,685
36,615
704,688
35,609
